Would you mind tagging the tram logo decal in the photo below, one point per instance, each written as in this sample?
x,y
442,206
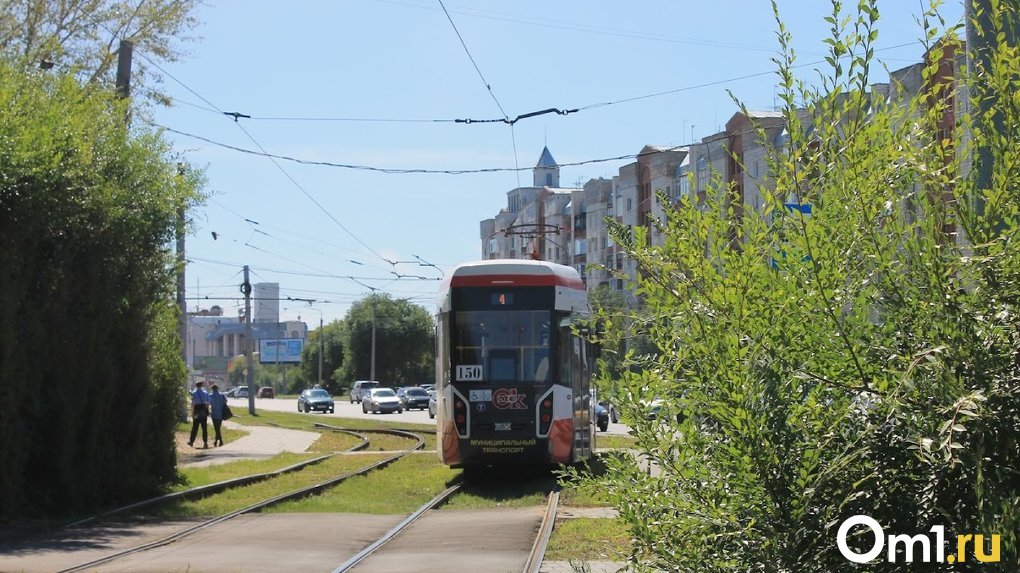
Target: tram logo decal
x,y
508,399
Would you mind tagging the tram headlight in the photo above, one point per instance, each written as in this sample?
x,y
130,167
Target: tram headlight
x,y
545,411
460,419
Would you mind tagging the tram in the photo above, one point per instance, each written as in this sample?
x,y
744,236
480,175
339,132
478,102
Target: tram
x,y
512,378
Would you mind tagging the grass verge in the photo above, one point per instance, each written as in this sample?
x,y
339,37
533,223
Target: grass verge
x,y
199,476
589,539
399,488
239,498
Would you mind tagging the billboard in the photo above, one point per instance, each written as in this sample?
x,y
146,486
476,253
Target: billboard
x,y
282,350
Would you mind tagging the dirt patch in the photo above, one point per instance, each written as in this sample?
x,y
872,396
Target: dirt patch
x,y
186,453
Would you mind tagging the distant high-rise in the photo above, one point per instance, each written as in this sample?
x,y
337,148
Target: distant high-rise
x,y
267,302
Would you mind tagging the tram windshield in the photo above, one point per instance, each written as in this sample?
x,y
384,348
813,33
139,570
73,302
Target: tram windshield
x,y
502,346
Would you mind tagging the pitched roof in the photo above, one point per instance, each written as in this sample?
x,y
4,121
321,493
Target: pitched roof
x,y
546,160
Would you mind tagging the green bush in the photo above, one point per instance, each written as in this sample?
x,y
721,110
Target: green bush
x,y
89,353
863,360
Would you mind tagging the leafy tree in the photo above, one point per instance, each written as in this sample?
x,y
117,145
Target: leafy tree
x,y
333,345
862,360
84,35
405,342
89,351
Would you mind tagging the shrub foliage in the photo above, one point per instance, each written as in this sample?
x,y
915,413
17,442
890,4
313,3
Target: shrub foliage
x,y
90,361
861,360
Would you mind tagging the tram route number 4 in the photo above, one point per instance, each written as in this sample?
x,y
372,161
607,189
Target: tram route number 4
x,y
469,373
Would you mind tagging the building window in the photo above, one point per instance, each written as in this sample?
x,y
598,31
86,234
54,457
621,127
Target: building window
x,y
630,204
580,247
548,179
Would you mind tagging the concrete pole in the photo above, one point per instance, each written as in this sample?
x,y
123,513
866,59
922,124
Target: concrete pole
x,y
249,363
322,345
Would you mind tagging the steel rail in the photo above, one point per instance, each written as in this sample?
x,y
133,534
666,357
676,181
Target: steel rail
x,y
296,494
213,488
534,562
389,535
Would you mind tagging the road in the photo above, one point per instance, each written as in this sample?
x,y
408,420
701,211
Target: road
x,y
344,409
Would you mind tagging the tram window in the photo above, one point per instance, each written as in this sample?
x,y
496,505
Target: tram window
x,y
503,365
508,345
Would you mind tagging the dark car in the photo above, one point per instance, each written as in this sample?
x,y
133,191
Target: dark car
x,y
412,397
601,417
315,399
266,392
614,416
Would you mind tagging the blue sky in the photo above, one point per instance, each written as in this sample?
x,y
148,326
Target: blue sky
x,y
305,70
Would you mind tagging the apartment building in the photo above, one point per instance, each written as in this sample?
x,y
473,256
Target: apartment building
x,y
567,225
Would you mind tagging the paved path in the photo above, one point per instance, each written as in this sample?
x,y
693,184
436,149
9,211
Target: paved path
x,y
260,443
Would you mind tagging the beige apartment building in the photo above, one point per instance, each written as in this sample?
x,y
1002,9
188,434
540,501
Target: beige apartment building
x,y
568,225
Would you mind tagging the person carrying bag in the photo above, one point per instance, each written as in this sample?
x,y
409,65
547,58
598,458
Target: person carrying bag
x,y
220,411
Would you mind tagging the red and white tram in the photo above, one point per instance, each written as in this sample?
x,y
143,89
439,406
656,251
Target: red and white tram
x,y
512,379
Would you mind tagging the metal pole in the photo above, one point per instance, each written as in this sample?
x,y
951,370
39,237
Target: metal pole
x,y
321,347
249,363
182,300
371,375
123,84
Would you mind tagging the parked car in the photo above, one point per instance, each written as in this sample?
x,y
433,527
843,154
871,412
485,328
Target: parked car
x,y
242,392
360,388
432,405
315,399
614,416
378,400
413,397
232,393
601,417
430,388
266,392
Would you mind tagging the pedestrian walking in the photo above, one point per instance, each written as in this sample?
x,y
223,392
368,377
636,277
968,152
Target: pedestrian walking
x,y
219,404
199,414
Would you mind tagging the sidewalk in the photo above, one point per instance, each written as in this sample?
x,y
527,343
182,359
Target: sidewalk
x,y
261,442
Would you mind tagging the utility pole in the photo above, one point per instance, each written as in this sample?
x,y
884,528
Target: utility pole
x,y
371,375
249,360
182,300
322,346
124,74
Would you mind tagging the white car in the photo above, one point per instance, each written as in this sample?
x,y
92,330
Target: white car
x,y
379,400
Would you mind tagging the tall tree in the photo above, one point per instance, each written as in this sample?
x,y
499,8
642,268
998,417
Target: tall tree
x,y
330,339
84,35
404,342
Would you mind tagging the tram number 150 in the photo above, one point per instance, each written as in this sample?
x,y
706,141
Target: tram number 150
x,y
469,373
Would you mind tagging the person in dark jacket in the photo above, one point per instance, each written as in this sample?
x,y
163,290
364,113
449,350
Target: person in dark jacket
x,y
199,414
219,403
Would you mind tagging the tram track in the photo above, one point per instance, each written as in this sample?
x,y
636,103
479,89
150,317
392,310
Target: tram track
x,y
203,491
531,565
